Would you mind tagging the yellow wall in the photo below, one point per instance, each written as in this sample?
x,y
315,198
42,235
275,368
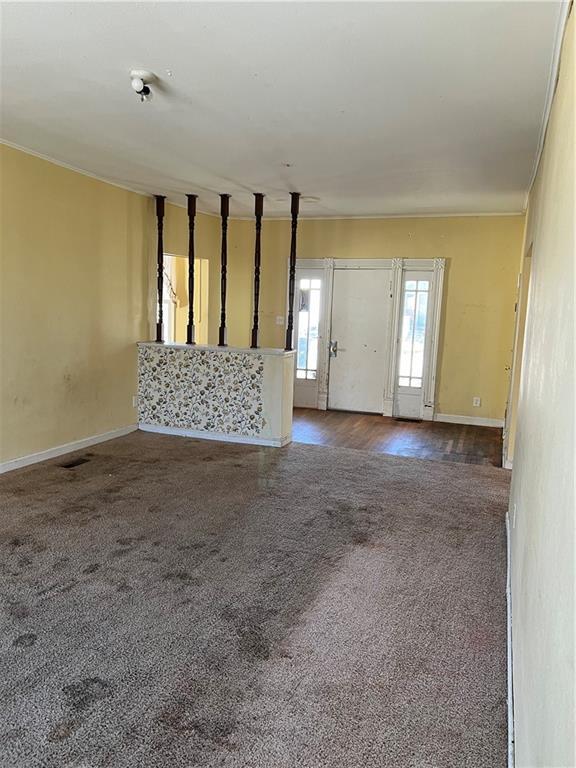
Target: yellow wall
x,y
74,299
542,499
77,291
482,255
78,283
180,283
240,265
207,245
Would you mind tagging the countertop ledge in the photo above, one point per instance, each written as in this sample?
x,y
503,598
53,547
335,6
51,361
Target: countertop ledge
x,y
214,348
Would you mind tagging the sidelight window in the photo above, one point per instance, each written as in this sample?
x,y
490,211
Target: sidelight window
x,y
413,333
308,324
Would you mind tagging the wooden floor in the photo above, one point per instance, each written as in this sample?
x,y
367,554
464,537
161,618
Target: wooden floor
x,y
424,440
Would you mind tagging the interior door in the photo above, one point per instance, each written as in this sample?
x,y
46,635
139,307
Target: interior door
x,y
359,354
308,335
413,344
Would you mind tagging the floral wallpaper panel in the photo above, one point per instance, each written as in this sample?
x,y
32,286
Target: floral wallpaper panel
x,y
200,389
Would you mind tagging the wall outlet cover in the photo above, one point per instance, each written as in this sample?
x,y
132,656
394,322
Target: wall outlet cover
x,y
279,319
476,402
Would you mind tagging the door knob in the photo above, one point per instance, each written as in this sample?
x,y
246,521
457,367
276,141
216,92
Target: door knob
x,y
333,349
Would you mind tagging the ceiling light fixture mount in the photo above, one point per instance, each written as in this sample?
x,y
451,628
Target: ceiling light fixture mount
x,y
139,80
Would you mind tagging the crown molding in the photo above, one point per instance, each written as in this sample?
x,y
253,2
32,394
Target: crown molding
x,y
89,174
379,216
352,217
563,13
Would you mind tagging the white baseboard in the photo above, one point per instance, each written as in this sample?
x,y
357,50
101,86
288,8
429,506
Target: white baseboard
x,y
60,450
222,436
509,666
508,464
476,421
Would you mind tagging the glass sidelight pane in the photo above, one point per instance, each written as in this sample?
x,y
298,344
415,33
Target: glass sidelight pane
x,y
413,333
308,328
419,335
407,333
303,322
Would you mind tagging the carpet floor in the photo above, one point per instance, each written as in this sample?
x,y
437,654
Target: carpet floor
x,y
174,603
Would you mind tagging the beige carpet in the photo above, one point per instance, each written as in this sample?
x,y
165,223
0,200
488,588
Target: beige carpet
x,y
174,603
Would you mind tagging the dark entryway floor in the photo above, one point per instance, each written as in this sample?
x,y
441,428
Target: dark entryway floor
x,y
423,440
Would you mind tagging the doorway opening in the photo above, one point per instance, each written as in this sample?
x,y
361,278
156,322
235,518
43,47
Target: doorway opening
x,y
510,419
414,345
175,299
366,335
310,300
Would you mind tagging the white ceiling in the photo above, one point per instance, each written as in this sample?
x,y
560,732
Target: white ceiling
x,y
375,108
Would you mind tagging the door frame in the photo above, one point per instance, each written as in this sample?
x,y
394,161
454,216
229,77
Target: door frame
x,y
325,314
520,317
409,273
313,271
397,267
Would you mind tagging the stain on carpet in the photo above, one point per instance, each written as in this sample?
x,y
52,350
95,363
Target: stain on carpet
x,y
205,604
84,693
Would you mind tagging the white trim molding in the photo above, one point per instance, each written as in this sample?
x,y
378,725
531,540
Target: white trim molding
x,y
221,436
327,267
475,421
324,352
509,665
309,264
394,334
563,12
280,217
430,388
363,263
400,267
397,267
60,450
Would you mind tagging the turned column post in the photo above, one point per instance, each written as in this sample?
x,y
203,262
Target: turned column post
x,y
190,330
294,208
160,258
258,212
224,211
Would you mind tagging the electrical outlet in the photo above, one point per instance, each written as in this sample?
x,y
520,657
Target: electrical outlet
x,y
476,402
279,319
134,401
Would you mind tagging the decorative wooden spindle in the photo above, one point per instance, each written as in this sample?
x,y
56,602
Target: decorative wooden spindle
x,y
224,210
294,208
258,211
190,331
160,225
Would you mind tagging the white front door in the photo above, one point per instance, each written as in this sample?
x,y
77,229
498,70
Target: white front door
x,y
308,335
413,344
359,339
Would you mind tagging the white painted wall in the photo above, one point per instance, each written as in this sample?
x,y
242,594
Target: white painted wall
x,y
542,506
